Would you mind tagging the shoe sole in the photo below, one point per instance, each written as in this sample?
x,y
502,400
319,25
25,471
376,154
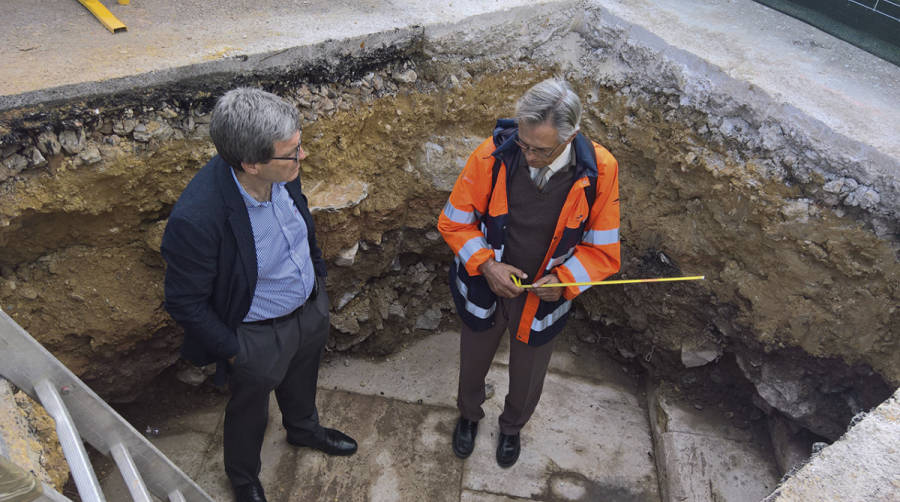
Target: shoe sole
x,y
346,453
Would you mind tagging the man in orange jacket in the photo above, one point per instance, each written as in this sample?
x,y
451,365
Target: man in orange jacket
x,y
539,201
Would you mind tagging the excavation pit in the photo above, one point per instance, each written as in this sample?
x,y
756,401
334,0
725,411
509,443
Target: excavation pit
x,y
781,187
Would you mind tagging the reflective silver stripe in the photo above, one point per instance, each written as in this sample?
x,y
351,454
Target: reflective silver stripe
x,y
470,247
601,237
552,317
458,215
578,271
556,261
498,253
473,309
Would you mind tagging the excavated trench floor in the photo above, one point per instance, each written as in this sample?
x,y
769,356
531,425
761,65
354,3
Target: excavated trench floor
x,y
591,438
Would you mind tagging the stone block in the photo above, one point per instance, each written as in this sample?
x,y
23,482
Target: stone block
x,y
700,457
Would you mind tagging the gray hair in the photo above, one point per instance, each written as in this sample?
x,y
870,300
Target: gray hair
x,y
553,101
247,122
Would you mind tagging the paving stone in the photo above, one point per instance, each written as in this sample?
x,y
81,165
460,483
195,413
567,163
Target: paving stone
x,y
426,371
580,430
470,496
404,453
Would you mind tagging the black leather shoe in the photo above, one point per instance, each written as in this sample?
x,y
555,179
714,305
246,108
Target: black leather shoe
x,y
508,449
333,442
464,437
252,492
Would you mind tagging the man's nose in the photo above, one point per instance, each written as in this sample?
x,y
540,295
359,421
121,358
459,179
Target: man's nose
x,y
302,154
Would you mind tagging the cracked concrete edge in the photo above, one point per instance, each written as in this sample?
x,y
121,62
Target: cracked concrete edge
x,y
863,465
328,53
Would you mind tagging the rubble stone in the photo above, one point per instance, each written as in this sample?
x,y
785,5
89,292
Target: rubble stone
x,y
429,320
347,257
90,155
124,127
34,156
72,141
48,144
406,76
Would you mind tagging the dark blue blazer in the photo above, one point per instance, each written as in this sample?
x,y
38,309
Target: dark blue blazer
x,y
211,261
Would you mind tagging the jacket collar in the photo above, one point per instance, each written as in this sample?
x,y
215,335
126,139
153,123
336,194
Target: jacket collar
x,y
237,216
225,181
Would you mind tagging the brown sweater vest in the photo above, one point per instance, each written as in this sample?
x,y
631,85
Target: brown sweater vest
x,y
533,214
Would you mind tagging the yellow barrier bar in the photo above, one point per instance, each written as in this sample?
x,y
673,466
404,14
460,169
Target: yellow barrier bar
x,y
103,15
518,282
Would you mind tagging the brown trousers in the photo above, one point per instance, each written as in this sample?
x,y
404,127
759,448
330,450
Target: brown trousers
x,y
527,368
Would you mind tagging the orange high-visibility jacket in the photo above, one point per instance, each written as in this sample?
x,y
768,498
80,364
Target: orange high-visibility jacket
x,y
585,244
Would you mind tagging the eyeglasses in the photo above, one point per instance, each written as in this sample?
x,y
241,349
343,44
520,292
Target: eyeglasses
x,y
295,158
540,152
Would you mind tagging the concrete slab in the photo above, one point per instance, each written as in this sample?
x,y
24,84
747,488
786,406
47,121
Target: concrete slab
x,y
791,61
163,34
700,456
864,465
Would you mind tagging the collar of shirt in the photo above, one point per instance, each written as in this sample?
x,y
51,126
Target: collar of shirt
x,y
249,201
563,160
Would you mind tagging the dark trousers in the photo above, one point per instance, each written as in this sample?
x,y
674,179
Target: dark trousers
x,y
527,368
282,356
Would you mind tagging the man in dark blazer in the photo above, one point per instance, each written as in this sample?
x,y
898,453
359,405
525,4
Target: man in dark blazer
x,y
245,279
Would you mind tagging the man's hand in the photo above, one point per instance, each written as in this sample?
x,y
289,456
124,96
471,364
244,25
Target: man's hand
x,y
498,278
548,294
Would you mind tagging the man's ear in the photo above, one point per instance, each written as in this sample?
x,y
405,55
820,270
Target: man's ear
x,y
250,168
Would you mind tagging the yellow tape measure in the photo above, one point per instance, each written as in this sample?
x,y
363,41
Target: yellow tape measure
x,y
518,282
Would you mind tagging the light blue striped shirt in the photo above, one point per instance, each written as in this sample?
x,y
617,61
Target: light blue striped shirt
x,y
284,268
